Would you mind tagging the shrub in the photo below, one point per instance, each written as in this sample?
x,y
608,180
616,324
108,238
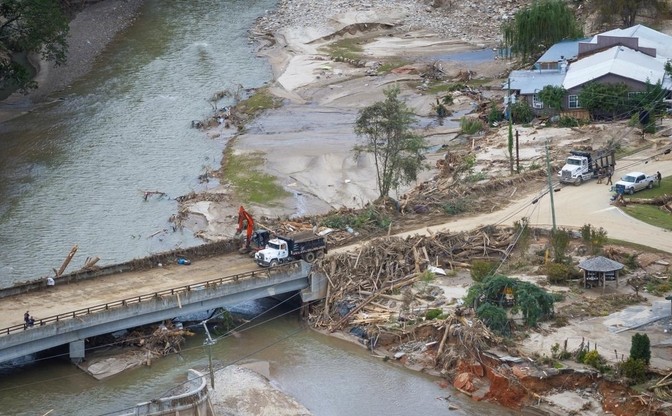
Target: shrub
x,y
566,121
433,314
593,359
558,273
470,125
634,369
455,206
495,115
521,112
480,269
560,242
594,238
640,349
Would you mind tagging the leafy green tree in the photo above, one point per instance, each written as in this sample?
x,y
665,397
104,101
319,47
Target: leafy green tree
x,y
629,10
536,28
29,26
553,96
605,100
398,152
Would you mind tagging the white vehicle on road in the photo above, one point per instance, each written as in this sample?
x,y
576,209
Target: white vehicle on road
x,y
633,182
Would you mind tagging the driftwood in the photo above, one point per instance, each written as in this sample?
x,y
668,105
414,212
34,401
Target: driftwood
x,y
388,266
662,200
67,261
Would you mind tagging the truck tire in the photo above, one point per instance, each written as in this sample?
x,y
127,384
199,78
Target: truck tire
x,y
309,257
273,263
320,254
580,181
631,191
650,185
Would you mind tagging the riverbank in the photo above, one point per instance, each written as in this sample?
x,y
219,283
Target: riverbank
x,y
91,31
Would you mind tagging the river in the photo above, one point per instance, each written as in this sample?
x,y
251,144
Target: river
x,y
329,376
73,173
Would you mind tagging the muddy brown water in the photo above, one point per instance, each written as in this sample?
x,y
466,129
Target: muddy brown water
x,y
72,173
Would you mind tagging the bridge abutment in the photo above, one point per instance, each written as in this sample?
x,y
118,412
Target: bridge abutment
x,y
77,349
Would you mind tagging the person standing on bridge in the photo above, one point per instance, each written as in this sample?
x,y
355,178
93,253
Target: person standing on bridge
x,y
26,319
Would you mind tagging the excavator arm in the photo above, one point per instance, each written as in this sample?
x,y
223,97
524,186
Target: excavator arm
x,y
245,221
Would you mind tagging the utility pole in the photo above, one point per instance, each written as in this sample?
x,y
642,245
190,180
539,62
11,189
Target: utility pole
x,y
209,342
517,153
508,112
550,186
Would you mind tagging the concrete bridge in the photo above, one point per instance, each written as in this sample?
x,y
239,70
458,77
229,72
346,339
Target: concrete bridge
x,y
72,327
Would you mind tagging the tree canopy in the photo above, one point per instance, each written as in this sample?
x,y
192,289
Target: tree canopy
x,y
29,26
533,302
536,28
398,153
629,10
552,96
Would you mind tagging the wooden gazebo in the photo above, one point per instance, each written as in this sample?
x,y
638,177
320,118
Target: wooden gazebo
x,y
596,270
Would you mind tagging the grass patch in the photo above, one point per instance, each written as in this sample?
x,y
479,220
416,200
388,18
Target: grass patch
x,y
345,49
261,100
251,185
388,66
650,214
638,247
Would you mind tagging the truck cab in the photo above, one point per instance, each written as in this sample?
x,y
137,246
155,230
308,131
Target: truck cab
x,y
276,252
574,170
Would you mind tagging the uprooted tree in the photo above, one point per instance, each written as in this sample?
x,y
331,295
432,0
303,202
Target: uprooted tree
x,y
398,153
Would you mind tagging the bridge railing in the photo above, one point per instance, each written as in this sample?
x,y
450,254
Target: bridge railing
x,y
148,296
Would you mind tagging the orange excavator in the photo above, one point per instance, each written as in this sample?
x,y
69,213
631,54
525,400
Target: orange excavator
x,y
259,238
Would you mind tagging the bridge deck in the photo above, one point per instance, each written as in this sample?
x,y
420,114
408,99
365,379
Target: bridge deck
x,y
66,297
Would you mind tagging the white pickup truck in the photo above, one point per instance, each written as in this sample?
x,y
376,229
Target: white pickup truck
x,y
633,182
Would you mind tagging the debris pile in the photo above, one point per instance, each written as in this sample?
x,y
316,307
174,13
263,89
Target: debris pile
x,y
383,292
165,340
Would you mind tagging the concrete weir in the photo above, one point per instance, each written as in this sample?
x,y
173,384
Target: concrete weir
x,y
74,327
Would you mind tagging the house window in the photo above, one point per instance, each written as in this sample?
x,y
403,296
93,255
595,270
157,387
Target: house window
x,y
573,101
536,102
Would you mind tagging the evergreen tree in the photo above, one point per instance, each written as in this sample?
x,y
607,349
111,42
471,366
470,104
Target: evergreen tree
x,y
640,349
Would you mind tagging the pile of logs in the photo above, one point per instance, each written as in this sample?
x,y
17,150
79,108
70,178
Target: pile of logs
x,y
435,193
375,283
164,340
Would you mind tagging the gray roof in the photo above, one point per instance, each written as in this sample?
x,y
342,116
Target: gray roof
x,y
647,37
567,49
530,82
600,264
617,60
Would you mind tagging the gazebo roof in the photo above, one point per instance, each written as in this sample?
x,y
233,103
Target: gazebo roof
x,y
600,264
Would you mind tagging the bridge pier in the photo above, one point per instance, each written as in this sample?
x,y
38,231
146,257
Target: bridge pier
x,y
77,351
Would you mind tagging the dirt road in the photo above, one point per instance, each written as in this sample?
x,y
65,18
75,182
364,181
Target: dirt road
x,y
576,206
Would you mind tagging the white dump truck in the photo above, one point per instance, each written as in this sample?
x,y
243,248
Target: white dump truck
x,y
283,249
583,165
